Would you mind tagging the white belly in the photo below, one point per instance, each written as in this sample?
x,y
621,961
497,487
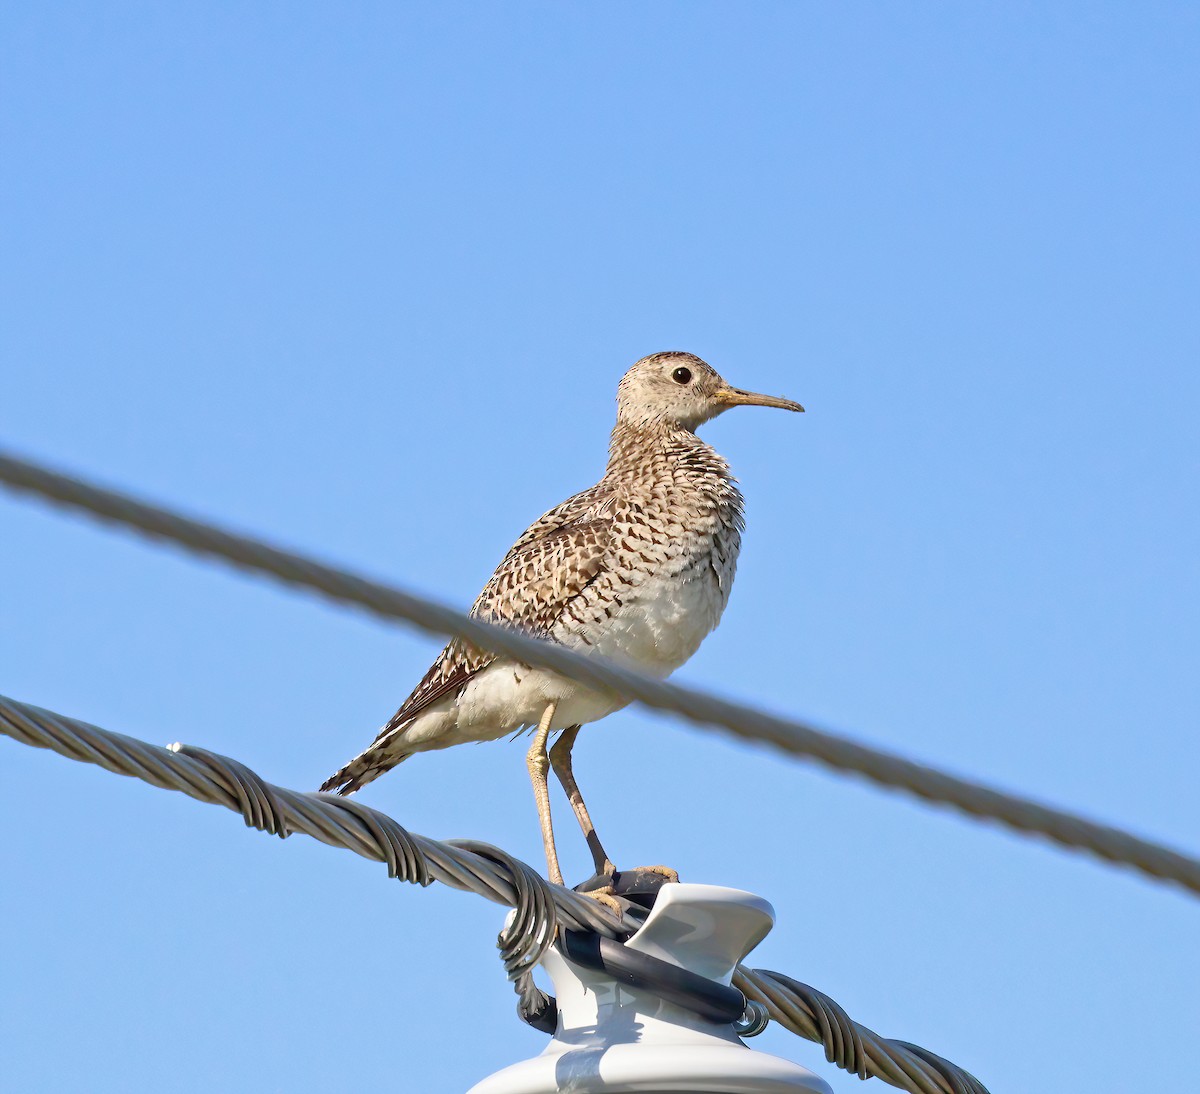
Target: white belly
x,y
662,622
656,629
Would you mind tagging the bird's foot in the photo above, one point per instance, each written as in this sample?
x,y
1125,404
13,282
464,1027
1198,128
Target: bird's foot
x,y
637,886
608,899
646,873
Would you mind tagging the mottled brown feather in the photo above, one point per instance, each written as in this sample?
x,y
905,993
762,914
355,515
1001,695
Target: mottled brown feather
x,y
667,508
553,562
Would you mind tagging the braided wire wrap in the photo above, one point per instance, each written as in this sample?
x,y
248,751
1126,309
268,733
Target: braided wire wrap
x,y
259,806
541,908
403,856
214,779
811,1014
793,738
531,931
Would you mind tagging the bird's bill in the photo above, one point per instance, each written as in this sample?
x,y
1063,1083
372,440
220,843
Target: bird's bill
x,y
733,396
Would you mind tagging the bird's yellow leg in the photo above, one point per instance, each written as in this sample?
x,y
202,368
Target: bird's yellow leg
x,y
560,758
539,763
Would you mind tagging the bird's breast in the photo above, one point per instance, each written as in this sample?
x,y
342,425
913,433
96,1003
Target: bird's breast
x,y
661,596
661,622
671,548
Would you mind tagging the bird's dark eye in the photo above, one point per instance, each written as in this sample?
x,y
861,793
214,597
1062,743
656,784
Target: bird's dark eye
x,y
682,375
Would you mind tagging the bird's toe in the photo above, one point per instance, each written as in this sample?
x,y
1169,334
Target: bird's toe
x,y
608,900
665,872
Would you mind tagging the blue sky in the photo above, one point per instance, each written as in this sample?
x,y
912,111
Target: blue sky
x,y
362,279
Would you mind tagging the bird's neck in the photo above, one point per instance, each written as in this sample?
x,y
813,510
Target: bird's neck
x,y
660,450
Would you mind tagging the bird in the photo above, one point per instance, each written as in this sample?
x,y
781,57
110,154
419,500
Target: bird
x,y
636,569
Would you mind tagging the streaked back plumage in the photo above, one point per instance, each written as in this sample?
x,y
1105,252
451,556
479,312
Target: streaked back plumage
x,y
638,568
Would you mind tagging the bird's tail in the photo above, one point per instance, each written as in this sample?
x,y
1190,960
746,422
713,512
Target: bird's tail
x,y
382,756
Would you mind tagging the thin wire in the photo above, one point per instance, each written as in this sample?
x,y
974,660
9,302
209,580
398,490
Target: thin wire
x,y
541,907
794,738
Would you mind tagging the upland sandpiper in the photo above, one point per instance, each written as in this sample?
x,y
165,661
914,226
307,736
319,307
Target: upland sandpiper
x,y
637,569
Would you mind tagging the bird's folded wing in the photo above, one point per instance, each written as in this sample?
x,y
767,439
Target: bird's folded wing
x,y
545,572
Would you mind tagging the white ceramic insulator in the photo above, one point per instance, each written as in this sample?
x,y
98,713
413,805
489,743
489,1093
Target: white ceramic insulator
x,y
613,1039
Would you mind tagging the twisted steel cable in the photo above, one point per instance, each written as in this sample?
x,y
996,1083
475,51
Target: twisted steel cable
x,y
793,738
541,908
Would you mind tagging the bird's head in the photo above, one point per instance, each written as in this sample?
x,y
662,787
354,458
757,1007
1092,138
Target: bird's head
x,y
679,389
